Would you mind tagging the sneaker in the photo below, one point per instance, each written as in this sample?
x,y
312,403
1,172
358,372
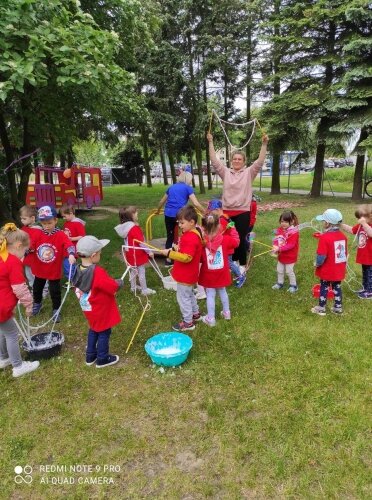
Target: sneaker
x,y
182,326
293,289
365,295
226,315
26,367
90,361
56,316
148,291
5,362
200,296
111,359
319,310
337,310
208,321
36,308
240,280
196,317
277,286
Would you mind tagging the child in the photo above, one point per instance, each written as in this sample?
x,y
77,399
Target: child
x,y
331,258
186,267
131,232
215,207
74,229
13,288
96,290
214,272
28,218
285,246
50,247
363,230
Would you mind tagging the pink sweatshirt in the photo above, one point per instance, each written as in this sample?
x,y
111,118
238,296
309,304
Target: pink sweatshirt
x,y
237,185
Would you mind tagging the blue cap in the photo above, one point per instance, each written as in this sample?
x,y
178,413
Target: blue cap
x,y
332,216
188,168
46,213
214,204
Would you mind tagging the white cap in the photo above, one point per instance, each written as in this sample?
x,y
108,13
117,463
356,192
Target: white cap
x,y
88,245
332,216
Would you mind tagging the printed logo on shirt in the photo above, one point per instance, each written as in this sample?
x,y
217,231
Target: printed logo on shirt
x,y
280,241
83,298
362,239
46,253
340,251
215,261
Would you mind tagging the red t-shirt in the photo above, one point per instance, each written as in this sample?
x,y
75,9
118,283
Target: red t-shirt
x,y
288,242
99,304
333,244
29,259
135,257
74,228
190,243
364,252
11,273
50,249
214,270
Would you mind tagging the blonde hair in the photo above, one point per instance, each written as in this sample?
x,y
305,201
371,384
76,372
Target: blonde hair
x,y
364,211
66,209
185,177
10,234
28,211
237,152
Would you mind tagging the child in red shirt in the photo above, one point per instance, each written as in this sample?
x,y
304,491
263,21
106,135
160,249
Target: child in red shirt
x,y
96,291
74,229
331,259
186,267
136,256
28,218
13,288
363,231
50,247
215,273
286,243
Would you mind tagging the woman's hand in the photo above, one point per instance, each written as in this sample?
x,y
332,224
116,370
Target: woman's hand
x,y
265,139
209,137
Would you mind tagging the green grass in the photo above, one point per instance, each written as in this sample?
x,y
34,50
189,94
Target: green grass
x,y
273,404
333,181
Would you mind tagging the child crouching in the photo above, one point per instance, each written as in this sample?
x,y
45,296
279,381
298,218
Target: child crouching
x,y
96,290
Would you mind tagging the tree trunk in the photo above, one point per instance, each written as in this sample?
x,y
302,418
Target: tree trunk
x,y
70,157
318,170
249,87
208,160
198,156
359,169
26,147
225,107
11,187
144,134
275,169
163,165
171,162
62,161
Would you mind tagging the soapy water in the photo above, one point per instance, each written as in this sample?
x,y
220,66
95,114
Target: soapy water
x,y
43,341
168,351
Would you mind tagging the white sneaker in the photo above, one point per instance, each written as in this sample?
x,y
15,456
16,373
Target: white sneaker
x,y
5,362
148,291
26,367
200,296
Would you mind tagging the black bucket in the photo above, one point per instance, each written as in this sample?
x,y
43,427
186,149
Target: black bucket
x,y
44,345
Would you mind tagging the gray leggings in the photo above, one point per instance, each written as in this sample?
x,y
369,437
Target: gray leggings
x,y
211,301
139,271
9,347
187,302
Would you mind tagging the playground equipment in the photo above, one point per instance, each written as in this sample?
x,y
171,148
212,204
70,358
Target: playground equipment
x,y
78,185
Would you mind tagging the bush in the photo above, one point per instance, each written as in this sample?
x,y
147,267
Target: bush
x,y
344,174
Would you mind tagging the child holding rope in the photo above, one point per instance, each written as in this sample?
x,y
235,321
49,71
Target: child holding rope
x,y
215,274
286,244
363,231
186,267
136,256
96,290
13,288
215,207
50,247
331,258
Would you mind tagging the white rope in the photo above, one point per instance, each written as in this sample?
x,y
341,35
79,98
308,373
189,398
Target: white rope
x,y
236,124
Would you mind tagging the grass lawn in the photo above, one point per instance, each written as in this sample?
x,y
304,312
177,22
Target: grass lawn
x,y
272,404
304,181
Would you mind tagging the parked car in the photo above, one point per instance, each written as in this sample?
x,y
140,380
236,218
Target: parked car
x,y
329,164
349,162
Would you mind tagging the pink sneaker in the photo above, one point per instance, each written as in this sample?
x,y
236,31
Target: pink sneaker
x,y
208,321
226,315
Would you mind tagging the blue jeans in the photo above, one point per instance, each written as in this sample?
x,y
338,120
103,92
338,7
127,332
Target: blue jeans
x,y
234,268
66,268
98,345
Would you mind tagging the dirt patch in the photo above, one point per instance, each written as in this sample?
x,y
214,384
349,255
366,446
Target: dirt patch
x,y
188,462
278,205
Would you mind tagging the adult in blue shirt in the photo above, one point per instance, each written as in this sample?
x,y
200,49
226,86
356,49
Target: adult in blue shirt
x,y
176,197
